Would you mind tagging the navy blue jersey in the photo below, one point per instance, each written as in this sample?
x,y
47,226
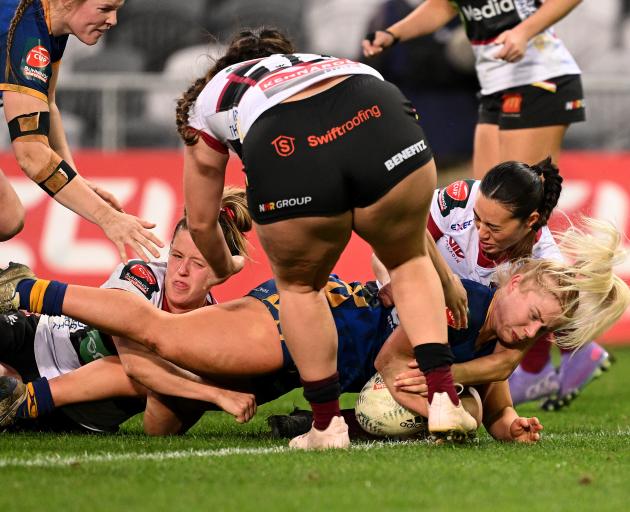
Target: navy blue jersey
x,y
463,341
33,52
363,326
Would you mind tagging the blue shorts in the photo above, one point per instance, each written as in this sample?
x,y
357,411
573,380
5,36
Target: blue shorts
x,y
362,325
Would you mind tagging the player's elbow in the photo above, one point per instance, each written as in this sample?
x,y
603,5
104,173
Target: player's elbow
x,y
31,157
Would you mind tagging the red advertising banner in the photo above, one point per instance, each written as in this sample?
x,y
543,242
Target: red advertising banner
x,y
58,244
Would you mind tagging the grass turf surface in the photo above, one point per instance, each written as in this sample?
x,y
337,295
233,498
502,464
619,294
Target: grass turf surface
x,y
582,463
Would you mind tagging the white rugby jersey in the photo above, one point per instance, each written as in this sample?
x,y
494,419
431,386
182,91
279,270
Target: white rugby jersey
x,y
452,225
236,96
545,57
63,344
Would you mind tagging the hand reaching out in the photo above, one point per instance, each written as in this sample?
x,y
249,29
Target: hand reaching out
x,y
124,229
526,430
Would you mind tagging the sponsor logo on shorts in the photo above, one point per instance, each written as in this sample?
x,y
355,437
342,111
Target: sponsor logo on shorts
x,y
512,103
38,57
458,190
574,105
455,249
336,132
491,9
142,277
405,154
284,203
284,145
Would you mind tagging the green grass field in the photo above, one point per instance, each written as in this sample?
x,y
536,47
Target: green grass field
x,y
582,463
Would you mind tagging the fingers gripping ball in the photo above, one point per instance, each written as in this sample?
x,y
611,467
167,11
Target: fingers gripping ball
x,y
379,414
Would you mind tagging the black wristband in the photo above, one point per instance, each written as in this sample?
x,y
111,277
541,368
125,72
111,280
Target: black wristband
x,y
394,37
370,36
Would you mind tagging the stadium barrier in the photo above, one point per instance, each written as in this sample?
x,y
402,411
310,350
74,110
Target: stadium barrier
x,y
60,245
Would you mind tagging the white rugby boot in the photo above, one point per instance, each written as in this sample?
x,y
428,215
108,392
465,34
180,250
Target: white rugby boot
x,y
450,422
334,436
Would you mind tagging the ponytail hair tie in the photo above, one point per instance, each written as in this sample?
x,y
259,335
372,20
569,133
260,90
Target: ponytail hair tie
x,y
229,212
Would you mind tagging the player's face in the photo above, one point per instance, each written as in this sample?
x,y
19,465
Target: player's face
x,y
188,276
88,20
524,311
498,229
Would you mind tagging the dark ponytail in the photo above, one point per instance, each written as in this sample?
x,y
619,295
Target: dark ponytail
x,y
247,45
552,186
524,189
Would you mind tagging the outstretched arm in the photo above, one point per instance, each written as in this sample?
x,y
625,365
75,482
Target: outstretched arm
x,y
39,161
425,19
99,380
165,378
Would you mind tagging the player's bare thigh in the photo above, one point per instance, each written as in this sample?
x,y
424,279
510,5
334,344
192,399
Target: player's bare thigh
x,y
395,224
12,211
486,149
531,145
238,338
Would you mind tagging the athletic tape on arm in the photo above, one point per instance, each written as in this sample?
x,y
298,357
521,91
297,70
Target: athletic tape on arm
x,y
35,126
54,176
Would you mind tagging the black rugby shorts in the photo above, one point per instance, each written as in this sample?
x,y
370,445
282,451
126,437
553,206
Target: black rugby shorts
x,y
343,148
555,101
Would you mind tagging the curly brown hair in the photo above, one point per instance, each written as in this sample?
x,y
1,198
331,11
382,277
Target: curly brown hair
x,y
246,45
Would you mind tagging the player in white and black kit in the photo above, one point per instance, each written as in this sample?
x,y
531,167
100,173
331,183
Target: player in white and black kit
x,y
530,84
38,349
329,148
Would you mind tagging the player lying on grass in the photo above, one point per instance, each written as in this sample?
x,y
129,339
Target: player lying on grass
x,y
477,225
40,348
240,342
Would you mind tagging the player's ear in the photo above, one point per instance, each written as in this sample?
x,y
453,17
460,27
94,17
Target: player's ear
x,y
515,281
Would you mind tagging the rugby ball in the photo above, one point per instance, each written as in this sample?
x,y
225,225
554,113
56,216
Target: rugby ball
x,y
379,414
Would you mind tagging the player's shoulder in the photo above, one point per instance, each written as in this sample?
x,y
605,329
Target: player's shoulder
x,y
138,276
458,197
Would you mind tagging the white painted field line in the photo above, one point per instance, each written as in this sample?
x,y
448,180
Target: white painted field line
x,y
86,458
69,460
